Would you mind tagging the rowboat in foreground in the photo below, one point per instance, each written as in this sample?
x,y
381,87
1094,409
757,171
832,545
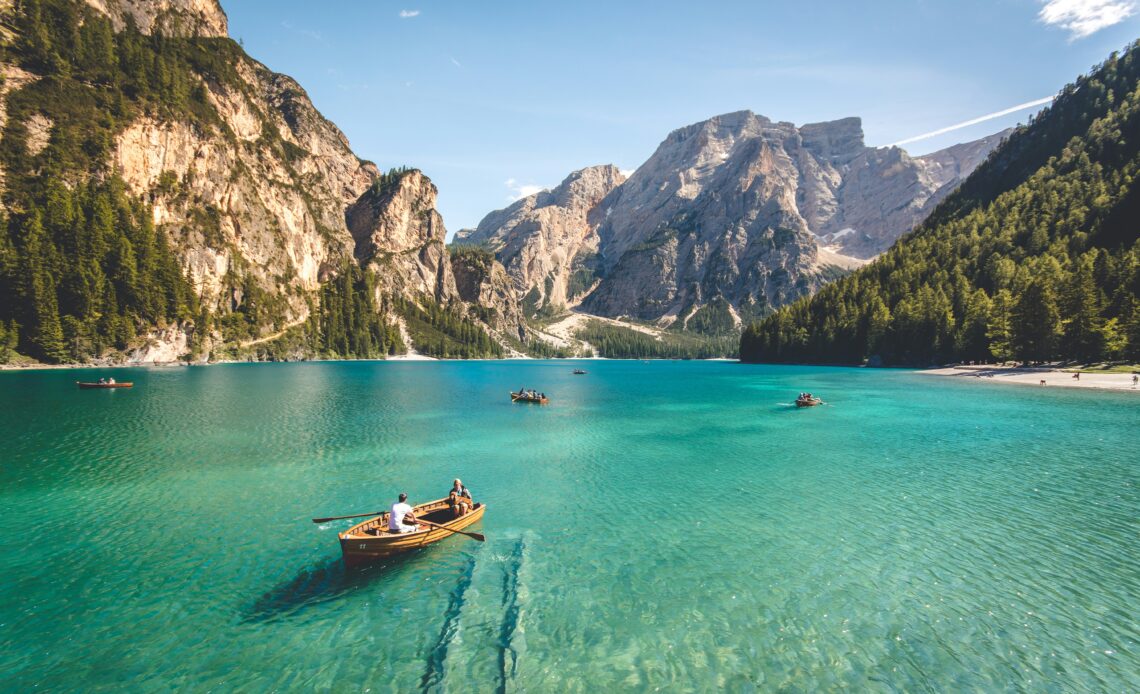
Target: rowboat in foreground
x,y
96,384
371,540
527,397
808,402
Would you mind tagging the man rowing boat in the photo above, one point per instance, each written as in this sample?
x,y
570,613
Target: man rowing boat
x,y
401,518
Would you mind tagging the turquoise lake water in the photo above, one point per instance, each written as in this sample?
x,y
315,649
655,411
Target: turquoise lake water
x,y
668,525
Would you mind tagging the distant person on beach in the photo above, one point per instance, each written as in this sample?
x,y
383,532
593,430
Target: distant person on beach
x,y
1135,378
1077,376
401,518
459,498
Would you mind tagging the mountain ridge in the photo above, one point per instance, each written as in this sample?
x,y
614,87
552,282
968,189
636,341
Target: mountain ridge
x,y
737,214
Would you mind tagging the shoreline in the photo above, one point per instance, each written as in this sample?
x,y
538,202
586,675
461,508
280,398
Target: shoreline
x,y
1030,376
397,358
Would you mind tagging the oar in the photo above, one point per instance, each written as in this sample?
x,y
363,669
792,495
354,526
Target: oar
x,y
478,536
359,515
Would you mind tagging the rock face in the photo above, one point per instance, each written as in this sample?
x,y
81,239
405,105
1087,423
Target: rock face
x,y
884,193
170,17
737,214
548,240
398,231
483,282
236,204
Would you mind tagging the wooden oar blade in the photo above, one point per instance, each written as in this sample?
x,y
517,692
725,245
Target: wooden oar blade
x,y
334,518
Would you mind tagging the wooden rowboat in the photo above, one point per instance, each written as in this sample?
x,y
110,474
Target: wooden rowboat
x,y
371,540
808,402
523,397
96,384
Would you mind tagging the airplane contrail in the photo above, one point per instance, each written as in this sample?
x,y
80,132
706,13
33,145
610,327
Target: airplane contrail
x,y
975,121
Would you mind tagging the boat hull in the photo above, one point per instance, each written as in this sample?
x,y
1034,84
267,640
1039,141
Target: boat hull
x,y
359,545
518,397
808,403
90,386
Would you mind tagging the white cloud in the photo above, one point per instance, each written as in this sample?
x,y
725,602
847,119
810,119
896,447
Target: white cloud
x,y
1082,18
975,121
455,62
408,14
626,173
521,190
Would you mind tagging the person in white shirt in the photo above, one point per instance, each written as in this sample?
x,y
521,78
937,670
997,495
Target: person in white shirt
x,y
401,519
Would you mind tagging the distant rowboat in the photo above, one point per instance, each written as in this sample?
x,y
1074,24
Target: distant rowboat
x,y
808,402
371,540
538,399
96,384
579,372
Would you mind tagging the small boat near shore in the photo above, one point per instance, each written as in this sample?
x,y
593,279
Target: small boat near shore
x,y
808,402
86,385
536,398
580,372
371,540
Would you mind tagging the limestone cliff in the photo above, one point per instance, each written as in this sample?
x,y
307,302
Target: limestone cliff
x,y
884,193
263,195
547,240
397,230
201,18
483,283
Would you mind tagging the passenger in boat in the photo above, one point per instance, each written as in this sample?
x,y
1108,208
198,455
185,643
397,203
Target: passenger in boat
x,y
111,381
401,518
459,498
102,380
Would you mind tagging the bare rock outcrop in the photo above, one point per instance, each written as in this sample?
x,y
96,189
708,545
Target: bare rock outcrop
x,y
203,18
263,196
547,240
398,231
483,283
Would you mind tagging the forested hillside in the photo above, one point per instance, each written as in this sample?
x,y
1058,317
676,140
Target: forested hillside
x,y
167,191
1036,257
82,267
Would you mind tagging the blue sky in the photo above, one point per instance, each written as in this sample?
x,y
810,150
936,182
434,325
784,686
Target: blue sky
x,y
491,99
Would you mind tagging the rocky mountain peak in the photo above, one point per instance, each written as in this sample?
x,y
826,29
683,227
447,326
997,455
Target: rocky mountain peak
x,y
585,186
727,219
204,18
836,142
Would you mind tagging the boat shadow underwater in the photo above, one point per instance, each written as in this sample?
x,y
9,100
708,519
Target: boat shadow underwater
x,y
487,603
319,583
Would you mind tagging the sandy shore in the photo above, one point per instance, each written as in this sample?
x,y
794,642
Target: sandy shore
x,y
1034,377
